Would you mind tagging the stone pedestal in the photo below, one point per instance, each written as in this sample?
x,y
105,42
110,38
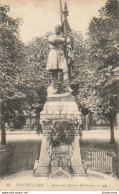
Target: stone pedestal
x,y
41,167
59,106
63,160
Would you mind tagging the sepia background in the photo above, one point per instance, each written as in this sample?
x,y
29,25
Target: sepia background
x,y
40,16
23,140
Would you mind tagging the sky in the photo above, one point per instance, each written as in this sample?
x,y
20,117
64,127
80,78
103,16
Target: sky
x,y
41,16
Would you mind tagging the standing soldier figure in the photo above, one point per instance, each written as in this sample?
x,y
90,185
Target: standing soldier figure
x,y
57,63
60,59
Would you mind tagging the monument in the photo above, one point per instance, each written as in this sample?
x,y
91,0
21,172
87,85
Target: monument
x,y
60,119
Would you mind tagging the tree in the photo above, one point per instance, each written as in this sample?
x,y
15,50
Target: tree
x,y
34,79
12,59
102,58
81,77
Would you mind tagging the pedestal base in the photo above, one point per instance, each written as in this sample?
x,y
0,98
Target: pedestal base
x,y
41,166
76,161
59,107
63,160
47,165
60,173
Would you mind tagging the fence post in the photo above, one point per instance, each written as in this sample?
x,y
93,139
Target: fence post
x,y
113,166
27,156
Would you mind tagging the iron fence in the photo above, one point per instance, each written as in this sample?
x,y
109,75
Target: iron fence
x,y
104,161
115,167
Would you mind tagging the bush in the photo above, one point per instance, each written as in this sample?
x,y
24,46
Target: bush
x,y
19,121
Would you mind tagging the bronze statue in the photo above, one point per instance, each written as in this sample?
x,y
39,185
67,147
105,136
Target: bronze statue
x,y
57,63
60,58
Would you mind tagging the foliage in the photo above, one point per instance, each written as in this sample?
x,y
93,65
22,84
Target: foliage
x,y
24,79
62,130
12,60
80,80
23,76
61,133
96,76
96,71
103,55
19,121
33,80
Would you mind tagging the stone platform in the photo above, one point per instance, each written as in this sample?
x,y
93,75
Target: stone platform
x,y
60,106
63,160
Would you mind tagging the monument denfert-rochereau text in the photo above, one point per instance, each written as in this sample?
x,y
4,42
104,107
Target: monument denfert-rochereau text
x,y
60,119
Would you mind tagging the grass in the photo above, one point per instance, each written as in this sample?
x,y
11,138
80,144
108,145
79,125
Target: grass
x,y
17,156
101,145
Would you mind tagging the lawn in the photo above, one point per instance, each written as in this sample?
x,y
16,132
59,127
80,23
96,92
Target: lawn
x,y
18,156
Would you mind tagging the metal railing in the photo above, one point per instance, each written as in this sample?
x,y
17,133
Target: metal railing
x,y
104,161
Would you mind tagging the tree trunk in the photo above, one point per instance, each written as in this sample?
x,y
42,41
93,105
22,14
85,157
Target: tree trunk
x,y
30,123
112,138
2,124
38,118
39,125
87,122
3,133
118,158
